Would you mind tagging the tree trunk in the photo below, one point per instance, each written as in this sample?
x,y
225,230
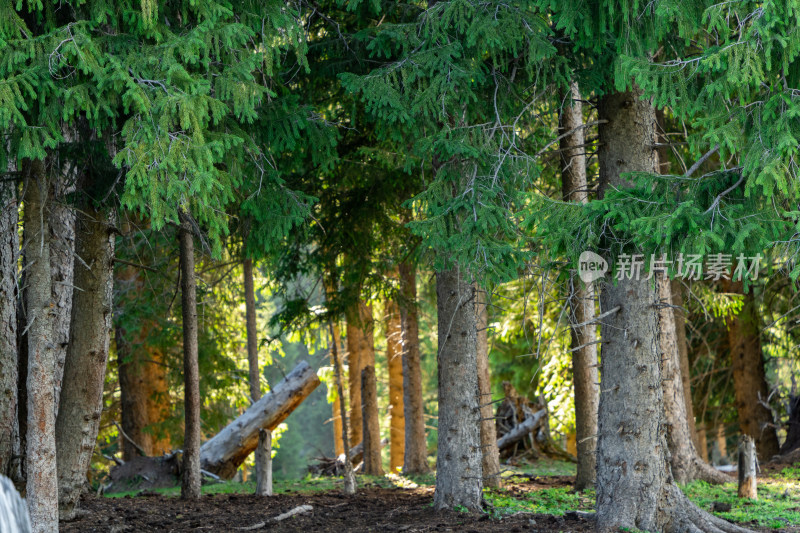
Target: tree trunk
x,y
792,441
42,483
263,453
9,250
581,298
336,412
749,379
415,460
81,401
372,430
747,468
144,391
190,485
686,464
349,487
490,454
458,461
226,451
394,361
683,352
702,439
62,248
635,489
361,353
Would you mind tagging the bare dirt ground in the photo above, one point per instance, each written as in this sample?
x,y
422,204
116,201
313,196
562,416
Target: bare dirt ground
x,y
372,509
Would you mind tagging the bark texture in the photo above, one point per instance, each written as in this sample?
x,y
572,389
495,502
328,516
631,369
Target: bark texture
x,y
372,430
747,468
190,484
336,412
349,486
634,483
490,453
415,460
581,297
686,463
394,361
263,459
226,451
9,254
458,462
42,483
683,353
81,401
749,378
62,247
361,353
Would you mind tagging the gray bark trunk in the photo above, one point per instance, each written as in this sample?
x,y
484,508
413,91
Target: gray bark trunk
x,y
458,462
747,468
81,401
634,483
42,484
62,249
581,298
415,460
372,430
223,453
9,254
683,352
190,485
263,460
490,454
686,463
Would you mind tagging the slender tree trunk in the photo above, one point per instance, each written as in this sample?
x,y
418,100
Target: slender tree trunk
x,y
190,486
702,440
458,462
42,484
581,298
749,378
349,478
686,463
336,412
415,460
683,352
372,430
635,488
9,250
490,454
263,452
81,401
394,361
62,248
359,342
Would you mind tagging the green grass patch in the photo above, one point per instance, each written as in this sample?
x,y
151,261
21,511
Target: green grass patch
x,y
555,501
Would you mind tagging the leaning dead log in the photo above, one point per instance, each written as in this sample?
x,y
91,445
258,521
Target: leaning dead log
x,y
520,431
334,466
227,450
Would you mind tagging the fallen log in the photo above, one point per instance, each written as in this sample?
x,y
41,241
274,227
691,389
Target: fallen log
x,y
227,450
521,430
334,466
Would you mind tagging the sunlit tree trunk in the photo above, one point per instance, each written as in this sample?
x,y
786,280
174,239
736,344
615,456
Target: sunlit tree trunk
x,y
190,486
360,351
416,449
581,297
394,361
458,460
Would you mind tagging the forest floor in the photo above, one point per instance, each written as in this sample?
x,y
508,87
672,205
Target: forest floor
x,y
534,498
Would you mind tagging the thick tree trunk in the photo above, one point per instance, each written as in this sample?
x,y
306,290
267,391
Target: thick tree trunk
x,y
415,460
749,379
42,483
394,361
190,485
62,248
263,458
581,298
372,430
490,454
81,401
458,462
634,483
144,391
361,353
686,464
9,254
226,451
683,352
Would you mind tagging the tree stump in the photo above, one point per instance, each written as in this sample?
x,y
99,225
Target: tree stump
x,y
747,468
